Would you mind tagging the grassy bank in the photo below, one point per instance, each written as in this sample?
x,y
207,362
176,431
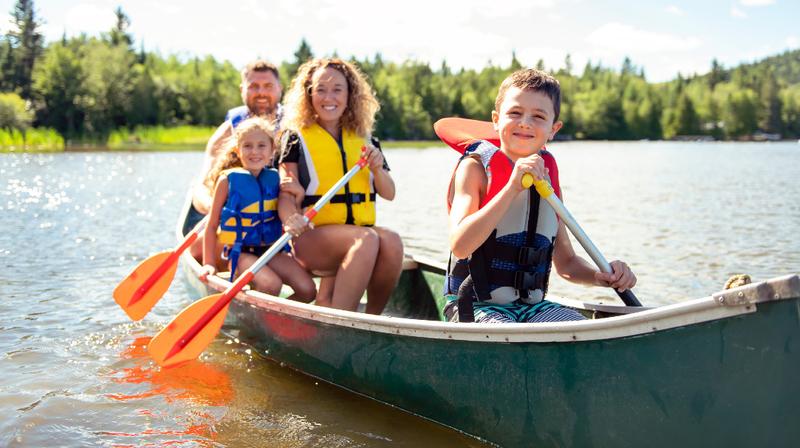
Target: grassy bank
x,y
160,138
34,140
150,138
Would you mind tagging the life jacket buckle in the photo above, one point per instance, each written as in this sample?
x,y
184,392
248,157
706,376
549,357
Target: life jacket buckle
x,y
524,281
226,250
529,256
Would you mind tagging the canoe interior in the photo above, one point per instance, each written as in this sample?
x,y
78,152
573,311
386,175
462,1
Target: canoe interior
x,y
420,291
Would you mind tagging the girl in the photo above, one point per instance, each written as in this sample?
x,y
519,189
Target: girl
x,y
244,213
330,113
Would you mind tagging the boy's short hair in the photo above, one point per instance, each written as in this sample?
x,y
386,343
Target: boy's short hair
x,y
535,80
259,66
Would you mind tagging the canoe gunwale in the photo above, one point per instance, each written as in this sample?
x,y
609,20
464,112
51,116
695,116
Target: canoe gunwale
x,y
644,322
725,304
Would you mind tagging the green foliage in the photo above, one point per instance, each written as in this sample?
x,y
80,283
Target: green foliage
x,y
26,44
14,113
101,89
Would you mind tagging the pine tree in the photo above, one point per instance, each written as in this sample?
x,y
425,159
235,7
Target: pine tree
x,y
119,34
27,43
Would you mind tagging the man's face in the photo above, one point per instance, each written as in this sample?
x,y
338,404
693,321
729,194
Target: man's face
x,y
261,92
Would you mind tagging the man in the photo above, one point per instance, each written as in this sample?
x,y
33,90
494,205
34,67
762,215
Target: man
x,y
261,95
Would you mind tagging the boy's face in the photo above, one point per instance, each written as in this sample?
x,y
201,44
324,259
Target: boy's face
x,y
524,122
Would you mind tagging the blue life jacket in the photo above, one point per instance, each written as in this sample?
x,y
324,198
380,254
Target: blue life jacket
x,y
250,214
238,114
515,260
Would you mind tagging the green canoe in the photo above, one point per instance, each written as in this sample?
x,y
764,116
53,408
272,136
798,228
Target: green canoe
x,y
718,371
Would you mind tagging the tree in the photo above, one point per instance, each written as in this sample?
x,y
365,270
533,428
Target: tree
x,y
302,54
27,43
119,33
13,113
769,111
683,119
515,64
58,83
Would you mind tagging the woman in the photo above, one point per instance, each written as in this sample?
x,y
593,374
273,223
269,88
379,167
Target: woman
x,y
330,112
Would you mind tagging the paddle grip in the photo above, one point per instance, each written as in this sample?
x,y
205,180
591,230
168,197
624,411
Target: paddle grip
x,y
629,298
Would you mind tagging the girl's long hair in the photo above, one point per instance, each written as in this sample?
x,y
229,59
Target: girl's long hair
x,y
359,116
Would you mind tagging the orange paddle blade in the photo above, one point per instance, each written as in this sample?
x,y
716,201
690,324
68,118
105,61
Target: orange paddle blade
x,y
165,348
143,287
459,133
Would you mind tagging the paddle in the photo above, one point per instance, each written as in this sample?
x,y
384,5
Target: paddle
x,y
546,192
197,325
146,284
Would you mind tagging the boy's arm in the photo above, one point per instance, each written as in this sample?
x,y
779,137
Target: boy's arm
x,y
469,226
210,235
577,270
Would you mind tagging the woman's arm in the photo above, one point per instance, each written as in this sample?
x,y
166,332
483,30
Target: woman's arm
x,y
210,236
384,184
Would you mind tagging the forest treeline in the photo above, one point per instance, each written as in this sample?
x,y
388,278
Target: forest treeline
x,y
86,87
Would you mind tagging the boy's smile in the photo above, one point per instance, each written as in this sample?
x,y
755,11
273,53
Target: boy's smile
x,y
524,122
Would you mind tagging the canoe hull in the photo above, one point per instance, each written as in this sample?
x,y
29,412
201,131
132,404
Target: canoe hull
x,y
672,386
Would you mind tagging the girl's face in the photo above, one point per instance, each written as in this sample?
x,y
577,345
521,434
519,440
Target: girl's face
x,y
255,150
329,95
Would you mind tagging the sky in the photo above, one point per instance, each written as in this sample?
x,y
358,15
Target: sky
x,y
663,37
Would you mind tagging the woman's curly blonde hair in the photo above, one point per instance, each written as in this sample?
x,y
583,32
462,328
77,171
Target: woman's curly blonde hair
x,y
359,115
230,158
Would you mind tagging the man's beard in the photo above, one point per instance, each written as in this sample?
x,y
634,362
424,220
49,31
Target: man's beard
x,y
255,108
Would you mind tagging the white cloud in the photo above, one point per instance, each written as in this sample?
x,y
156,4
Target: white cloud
x,y
756,2
89,18
626,39
672,9
792,41
738,13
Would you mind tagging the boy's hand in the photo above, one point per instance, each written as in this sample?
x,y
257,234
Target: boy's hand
x,y
291,186
374,158
621,279
533,164
296,225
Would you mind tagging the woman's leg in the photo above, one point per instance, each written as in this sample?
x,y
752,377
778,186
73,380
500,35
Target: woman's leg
x,y
348,250
388,267
295,276
325,293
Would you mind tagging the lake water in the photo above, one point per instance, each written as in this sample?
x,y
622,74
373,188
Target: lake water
x,y
685,216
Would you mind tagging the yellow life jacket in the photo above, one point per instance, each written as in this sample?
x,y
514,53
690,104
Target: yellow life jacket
x,y
326,163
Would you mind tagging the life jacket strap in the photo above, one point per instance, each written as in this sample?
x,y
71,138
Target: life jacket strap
x,y
520,280
523,256
346,198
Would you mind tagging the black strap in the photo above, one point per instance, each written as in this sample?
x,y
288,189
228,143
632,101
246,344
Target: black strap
x,y
523,256
478,268
520,280
466,298
345,198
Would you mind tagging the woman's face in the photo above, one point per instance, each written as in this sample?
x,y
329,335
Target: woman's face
x,y
329,95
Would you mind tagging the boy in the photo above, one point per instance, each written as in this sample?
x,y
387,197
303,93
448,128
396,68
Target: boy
x,y
504,238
